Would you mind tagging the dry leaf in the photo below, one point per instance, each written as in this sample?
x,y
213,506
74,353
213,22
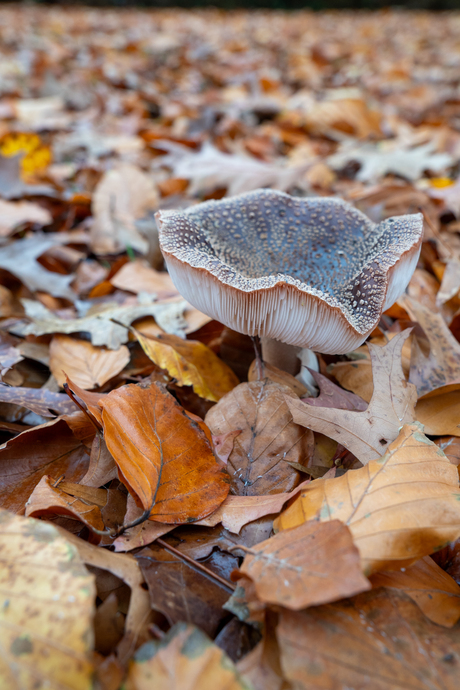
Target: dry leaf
x,y
439,411
47,499
331,395
311,564
191,363
278,376
368,434
185,659
14,213
48,602
432,589
137,276
442,366
377,640
41,401
50,447
399,508
258,463
124,195
102,467
104,325
163,457
87,365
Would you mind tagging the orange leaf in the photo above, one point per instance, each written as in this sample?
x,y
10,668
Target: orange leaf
x,y
88,365
163,457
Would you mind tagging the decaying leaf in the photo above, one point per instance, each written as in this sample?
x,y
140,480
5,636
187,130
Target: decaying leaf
x,y
432,589
442,365
399,508
379,640
306,566
88,366
258,463
44,402
48,600
163,457
138,276
439,410
191,363
331,395
185,659
104,325
367,434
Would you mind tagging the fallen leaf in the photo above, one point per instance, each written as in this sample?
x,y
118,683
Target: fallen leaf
x,y
331,395
450,284
20,258
41,450
439,411
47,499
311,564
48,603
87,365
137,276
399,508
102,467
450,445
124,195
163,457
442,365
367,434
14,213
103,326
258,463
432,589
350,115
191,363
261,667
185,659
223,444
90,399
377,640
278,376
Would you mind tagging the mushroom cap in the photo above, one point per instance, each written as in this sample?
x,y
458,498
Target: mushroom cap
x,y
312,272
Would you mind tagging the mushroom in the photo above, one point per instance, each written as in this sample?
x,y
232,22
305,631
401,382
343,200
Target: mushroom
x,y
307,272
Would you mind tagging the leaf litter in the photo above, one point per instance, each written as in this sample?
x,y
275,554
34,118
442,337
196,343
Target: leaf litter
x,y
131,422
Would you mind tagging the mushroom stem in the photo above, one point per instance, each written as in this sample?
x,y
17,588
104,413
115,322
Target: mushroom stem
x,y
281,355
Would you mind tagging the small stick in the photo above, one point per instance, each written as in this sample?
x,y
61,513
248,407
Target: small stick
x,y
220,580
85,410
259,361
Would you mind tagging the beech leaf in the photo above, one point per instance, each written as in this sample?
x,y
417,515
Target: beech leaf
x,y
367,434
191,363
48,602
305,566
399,508
269,440
163,457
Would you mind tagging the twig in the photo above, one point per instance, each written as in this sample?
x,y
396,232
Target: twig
x,y
220,580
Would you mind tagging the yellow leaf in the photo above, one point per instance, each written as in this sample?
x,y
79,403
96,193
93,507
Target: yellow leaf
x,y
47,605
35,155
400,507
191,363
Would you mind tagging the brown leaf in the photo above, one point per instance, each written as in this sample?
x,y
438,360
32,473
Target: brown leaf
x,y
163,457
191,363
331,395
137,276
88,366
182,592
47,499
48,605
41,401
399,508
377,640
439,411
442,365
185,659
223,444
102,467
368,434
237,511
432,589
258,463
91,400
278,376
311,564
50,447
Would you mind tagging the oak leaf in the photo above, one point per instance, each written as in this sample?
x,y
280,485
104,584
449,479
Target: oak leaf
x,y
269,440
185,659
434,591
191,363
378,639
89,366
368,434
399,508
311,564
163,457
48,601
331,395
